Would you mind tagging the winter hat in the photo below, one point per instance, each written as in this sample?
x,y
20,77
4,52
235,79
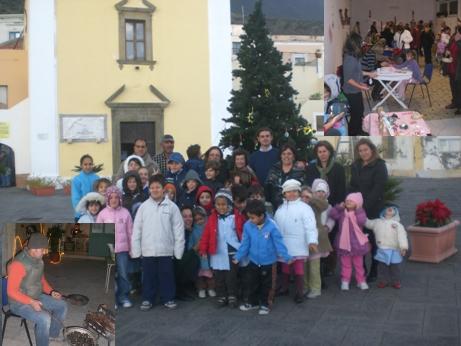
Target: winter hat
x,y
170,186
129,158
355,197
321,185
201,190
291,185
191,175
200,211
89,197
113,189
37,241
226,194
176,157
396,216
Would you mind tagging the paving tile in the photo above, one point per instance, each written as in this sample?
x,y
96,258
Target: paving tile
x,y
441,320
397,339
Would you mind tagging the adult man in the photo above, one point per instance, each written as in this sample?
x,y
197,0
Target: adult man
x,y
31,296
139,149
161,159
262,160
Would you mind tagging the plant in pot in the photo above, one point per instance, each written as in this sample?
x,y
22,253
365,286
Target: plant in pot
x,y
41,186
55,234
66,186
433,235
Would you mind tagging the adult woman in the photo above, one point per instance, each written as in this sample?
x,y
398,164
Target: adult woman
x,y
241,173
328,169
280,172
214,153
353,81
369,176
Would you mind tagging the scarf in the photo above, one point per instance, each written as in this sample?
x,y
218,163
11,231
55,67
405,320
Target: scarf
x,y
324,171
345,237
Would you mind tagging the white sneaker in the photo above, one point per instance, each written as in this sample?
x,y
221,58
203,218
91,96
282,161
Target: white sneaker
x,y
344,286
201,294
127,304
313,294
264,310
363,286
248,307
212,293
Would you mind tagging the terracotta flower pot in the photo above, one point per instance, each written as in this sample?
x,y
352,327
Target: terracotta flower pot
x,y
43,191
66,189
432,244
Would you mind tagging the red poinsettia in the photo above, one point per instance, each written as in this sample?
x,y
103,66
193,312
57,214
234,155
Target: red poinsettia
x,y
432,214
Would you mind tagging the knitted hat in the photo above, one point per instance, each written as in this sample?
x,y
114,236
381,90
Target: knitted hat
x,y
37,241
89,197
170,186
396,216
226,194
321,185
291,185
355,197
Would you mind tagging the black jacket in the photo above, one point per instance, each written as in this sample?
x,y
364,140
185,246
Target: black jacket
x,y
336,180
427,39
370,180
275,180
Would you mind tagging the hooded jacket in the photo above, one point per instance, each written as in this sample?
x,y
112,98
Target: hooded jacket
x,y
81,207
132,199
121,218
208,208
296,221
186,198
81,185
389,233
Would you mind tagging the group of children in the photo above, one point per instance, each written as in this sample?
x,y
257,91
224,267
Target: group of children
x,y
240,247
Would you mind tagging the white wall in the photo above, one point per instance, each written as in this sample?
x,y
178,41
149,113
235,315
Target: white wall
x,y
335,33
42,88
19,139
220,55
388,9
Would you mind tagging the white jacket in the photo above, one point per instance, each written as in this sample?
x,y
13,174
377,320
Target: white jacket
x,y
158,230
405,39
296,221
389,233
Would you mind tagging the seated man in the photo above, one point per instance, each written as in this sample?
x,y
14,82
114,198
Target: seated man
x,y
31,296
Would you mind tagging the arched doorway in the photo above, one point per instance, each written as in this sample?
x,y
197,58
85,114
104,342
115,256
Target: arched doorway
x,y
7,169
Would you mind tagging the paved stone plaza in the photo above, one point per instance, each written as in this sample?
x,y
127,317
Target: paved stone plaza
x,y
426,311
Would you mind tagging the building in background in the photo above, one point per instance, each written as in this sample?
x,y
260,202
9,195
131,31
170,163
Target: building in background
x,y
11,26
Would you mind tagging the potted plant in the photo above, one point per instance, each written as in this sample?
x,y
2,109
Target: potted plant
x,y
55,234
66,187
41,186
433,236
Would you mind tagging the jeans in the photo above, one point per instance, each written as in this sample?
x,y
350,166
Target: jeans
x,y
46,325
122,261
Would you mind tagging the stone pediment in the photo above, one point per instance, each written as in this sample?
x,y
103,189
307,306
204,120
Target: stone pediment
x,y
137,96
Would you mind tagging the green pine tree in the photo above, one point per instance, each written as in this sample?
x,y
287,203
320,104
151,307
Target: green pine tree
x,y
265,98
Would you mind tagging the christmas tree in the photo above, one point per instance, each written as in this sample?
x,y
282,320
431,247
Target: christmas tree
x,y
265,98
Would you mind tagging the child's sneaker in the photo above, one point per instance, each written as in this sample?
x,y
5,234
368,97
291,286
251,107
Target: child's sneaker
x,y
313,294
146,305
382,284
202,294
247,307
127,304
363,286
170,304
222,301
263,310
397,285
212,293
344,286
232,301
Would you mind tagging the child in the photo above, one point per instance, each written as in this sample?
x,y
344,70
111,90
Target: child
x,y
205,279
211,172
297,225
144,175
262,242
242,174
257,192
219,240
170,191
351,243
132,193
176,172
392,242
188,193
205,198
116,214
132,164
158,235
100,186
194,161
89,207
83,182
319,203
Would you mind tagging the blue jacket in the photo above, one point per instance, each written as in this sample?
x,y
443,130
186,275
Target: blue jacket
x,y
81,185
262,245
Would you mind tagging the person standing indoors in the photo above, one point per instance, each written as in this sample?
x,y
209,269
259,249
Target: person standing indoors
x,y
427,41
353,85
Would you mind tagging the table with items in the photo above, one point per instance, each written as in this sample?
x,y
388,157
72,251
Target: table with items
x,y
407,123
386,77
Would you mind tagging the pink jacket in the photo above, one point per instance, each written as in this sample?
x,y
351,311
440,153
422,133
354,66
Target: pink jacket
x,y
123,226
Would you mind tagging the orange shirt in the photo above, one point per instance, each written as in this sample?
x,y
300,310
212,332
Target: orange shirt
x,y
17,272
